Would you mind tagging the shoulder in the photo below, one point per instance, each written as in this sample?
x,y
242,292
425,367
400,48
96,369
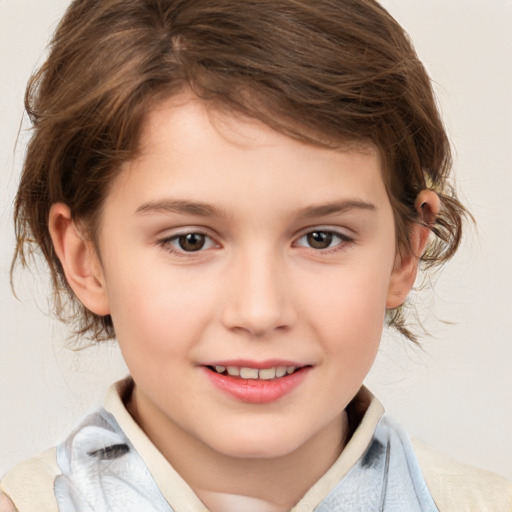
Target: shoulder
x,y
41,472
458,487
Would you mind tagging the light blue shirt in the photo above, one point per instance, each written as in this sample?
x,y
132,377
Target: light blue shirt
x,y
102,472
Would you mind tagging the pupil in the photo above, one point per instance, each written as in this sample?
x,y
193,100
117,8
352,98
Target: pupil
x,y
192,242
319,239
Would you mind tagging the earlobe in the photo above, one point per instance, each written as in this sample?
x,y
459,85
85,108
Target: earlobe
x,y
404,273
79,260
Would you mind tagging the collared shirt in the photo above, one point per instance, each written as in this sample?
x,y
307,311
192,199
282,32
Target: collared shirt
x,y
108,464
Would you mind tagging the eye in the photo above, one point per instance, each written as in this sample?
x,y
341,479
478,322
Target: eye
x,y
188,242
322,239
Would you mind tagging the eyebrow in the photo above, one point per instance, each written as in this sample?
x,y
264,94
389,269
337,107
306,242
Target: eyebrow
x,y
337,207
201,209
181,207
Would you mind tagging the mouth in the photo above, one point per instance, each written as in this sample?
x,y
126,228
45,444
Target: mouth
x,y
256,385
243,372
256,382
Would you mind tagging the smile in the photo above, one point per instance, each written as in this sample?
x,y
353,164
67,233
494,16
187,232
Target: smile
x,y
254,373
256,385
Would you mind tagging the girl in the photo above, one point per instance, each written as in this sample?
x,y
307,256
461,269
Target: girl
x,y
240,196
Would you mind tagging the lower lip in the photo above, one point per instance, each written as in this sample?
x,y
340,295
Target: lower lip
x,y
257,391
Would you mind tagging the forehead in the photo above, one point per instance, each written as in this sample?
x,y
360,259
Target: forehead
x,y
230,119
190,151
185,117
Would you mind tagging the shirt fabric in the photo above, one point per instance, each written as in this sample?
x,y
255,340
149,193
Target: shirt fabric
x,y
108,464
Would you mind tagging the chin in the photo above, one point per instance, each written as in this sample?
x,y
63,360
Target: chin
x,y
257,445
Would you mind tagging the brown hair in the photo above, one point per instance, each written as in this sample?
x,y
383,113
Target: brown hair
x,y
326,72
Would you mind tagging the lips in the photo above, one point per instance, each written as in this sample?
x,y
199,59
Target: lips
x,y
256,384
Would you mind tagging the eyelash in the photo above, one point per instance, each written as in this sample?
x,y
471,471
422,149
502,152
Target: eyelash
x,y
343,241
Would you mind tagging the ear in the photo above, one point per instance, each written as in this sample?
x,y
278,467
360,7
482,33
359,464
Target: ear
x,y
406,265
79,260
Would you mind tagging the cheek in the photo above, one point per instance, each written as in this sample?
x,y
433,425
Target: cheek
x,y
352,296
347,311
156,309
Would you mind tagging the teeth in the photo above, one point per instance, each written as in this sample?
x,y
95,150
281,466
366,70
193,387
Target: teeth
x,y
267,374
254,373
234,371
249,373
281,371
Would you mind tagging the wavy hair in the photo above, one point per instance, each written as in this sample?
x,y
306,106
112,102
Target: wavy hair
x,y
327,72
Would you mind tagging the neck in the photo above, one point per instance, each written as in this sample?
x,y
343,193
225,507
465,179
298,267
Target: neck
x,y
229,484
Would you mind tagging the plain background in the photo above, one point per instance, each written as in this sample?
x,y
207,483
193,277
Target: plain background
x,y
456,394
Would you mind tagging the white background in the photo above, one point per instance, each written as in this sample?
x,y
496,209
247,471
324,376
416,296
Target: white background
x,y
456,395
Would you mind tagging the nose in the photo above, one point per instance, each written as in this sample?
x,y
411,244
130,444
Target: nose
x,y
259,300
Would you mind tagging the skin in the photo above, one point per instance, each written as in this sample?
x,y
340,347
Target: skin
x,y
257,291
6,505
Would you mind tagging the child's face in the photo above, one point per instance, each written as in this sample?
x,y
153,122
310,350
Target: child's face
x,y
235,246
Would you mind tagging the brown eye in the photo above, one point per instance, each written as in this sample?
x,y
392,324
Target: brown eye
x,y
187,243
319,239
322,239
191,242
